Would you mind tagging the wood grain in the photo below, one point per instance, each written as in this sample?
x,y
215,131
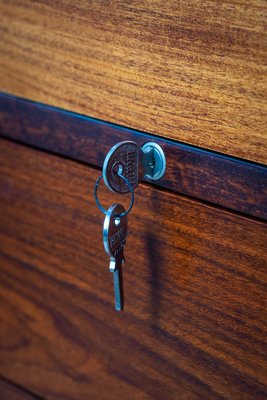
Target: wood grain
x,y
193,71
194,325
9,391
205,175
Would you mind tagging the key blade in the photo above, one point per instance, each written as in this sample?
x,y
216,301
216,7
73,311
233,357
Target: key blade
x,y
115,267
118,289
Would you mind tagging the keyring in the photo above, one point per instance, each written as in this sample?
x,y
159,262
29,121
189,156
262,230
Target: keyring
x,y
101,208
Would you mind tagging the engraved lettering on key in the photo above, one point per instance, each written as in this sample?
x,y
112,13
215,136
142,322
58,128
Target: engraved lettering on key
x,y
114,239
118,237
131,166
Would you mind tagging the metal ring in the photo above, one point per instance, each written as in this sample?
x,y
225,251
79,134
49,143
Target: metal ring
x,y
101,208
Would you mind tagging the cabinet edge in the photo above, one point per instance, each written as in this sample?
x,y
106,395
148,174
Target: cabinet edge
x,y
235,184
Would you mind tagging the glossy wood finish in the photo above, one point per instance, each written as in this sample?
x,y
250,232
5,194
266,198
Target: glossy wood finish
x,y
10,391
194,325
193,71
215,178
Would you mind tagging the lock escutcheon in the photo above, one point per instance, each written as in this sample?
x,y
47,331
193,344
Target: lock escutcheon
x,y
154,161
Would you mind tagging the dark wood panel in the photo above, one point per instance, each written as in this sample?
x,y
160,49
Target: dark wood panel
x,y
205,175
194,325
193,71
10,391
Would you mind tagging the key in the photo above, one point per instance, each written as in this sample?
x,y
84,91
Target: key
x,y
124,158
134,163
114,239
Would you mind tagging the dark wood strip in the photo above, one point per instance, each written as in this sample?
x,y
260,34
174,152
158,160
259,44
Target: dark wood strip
x,y
194,325
12,391
202,174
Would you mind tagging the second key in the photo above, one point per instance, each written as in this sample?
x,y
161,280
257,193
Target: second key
x,y
114,239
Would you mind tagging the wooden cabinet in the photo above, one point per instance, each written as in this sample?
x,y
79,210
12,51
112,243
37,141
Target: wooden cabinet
x,y
193,71
194,324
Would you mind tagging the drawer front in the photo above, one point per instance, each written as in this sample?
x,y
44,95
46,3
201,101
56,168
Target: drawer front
x,y
193,71
194,325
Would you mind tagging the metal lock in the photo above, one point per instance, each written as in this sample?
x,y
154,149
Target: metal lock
x,y
134,163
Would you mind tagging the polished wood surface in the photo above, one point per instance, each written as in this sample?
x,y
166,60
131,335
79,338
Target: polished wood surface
x,y
205,175
193,71
11,391
194,325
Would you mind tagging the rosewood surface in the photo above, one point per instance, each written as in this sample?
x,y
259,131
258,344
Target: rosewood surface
x,y
194,325
193,71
